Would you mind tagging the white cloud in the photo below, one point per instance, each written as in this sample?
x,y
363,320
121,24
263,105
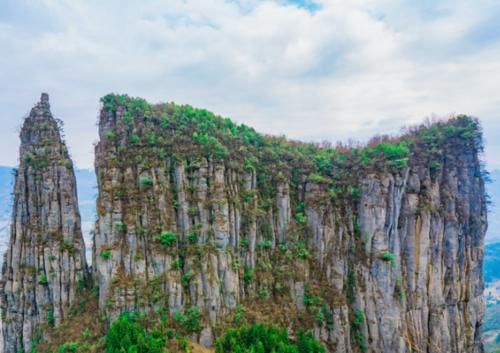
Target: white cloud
x,y
346,69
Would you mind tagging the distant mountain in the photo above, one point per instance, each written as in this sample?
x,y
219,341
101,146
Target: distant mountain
x,y
492,262
491,325
6,180
493,189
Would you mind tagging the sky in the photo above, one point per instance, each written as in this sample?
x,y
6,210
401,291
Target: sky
x,y
312,70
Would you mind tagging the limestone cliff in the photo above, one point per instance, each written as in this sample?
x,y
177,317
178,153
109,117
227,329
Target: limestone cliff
x,y
377,248
45,261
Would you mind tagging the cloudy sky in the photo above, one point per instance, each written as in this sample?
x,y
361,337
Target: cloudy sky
x,y
313,70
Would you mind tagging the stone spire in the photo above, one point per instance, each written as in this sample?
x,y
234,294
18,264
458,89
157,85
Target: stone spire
x,y
45,260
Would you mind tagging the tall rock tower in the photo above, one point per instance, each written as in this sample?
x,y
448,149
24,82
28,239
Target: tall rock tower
x,y
45,261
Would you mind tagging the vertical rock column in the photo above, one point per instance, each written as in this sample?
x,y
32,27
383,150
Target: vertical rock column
x,y
45,261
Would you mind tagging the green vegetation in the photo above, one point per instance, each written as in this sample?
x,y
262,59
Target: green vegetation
x,y
121,227
43,280
186,278
316,178
69,347
351,287
167,239
146,181
106,254
134,139
190,320
51,320
248,275
127,334
396,154
359,337
389,257
260,338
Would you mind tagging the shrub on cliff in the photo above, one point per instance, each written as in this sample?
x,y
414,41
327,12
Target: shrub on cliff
x,y
127,334
266,339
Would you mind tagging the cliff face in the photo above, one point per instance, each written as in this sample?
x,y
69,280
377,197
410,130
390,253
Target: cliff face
x,y
45,261
377,249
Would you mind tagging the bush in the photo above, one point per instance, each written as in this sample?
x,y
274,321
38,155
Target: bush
x,y
357,327
248,275
127,334
121,227
106,254
389,257
69,347
316,178
186,278
43,280
51,320
266,338
134,139
146,181
167,239
190,320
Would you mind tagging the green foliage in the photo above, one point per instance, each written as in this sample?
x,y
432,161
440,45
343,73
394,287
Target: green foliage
x,y
43,280
389,257
265,244
176,265
121,227
167,239
186,278
399,290
359,337
302,250
301,218
67,245
110,135
51,320
316,178
333,193
128,335
193,237
146,181
260,338
134,139
106,254
239,314
351,286
311,300
263,293
189,320
69,347
395,153
244,243
248,275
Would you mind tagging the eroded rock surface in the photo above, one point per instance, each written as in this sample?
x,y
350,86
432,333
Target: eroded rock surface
x,y
45,261
376,250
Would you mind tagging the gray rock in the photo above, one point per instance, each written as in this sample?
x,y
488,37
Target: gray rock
x,y
45,260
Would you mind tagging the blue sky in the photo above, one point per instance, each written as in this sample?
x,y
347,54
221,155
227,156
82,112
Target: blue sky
x,y
313,70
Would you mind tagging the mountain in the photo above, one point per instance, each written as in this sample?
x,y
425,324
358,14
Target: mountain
x,y
493,188
87,190
45,261
203,226
492,262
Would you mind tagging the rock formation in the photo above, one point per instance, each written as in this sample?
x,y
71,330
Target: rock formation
x,y
45,261
377,248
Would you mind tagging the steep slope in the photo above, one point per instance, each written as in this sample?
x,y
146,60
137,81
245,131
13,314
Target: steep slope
x,y
45,260
377,249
